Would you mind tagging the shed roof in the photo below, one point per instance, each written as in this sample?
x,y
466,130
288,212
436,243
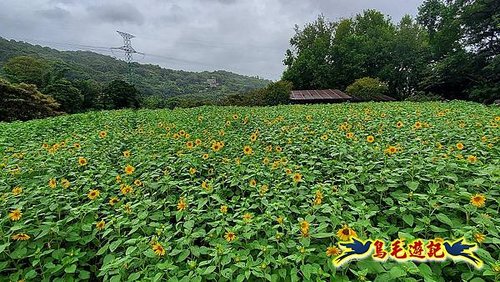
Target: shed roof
x,y
331,95
326,94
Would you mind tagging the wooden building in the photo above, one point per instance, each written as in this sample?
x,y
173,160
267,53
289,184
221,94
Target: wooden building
x,y
330,96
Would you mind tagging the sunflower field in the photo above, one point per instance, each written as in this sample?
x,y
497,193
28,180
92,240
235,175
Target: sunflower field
x,y
235,193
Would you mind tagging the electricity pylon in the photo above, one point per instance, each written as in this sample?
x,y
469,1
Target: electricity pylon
x,y
128,49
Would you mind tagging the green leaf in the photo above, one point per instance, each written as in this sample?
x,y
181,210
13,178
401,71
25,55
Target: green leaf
x,y
444,219
70,269
408,218
209,270
322,235
412,185
2,247
397,272
183,255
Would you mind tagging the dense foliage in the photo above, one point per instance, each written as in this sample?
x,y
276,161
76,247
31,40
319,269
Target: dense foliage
x,y
451,50
275,93
24,102
90,73
225,193
367,88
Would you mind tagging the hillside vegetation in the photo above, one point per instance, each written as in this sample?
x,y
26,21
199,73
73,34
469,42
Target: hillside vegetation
x,y
234,193
148,79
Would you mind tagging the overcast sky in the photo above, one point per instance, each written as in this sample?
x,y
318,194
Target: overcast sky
x,y
244,36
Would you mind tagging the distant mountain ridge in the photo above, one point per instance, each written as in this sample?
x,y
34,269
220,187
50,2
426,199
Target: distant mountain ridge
x,y
149,79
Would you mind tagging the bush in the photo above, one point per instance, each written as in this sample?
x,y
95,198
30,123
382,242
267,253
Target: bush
x,y
421,96
276,93
367,88
24,102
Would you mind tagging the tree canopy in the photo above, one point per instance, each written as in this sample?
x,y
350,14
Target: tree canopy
x,y
451,49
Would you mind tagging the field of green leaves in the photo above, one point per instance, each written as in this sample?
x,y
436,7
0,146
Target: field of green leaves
x,y
232,194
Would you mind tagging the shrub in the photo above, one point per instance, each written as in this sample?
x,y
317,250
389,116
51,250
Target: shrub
x,y
367,88
24,102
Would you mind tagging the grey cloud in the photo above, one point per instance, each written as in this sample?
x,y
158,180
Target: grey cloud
x,y
54,13
116,13
245,36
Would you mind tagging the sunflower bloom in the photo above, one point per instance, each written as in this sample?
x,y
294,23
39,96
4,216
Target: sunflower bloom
x,y
346,233
103,134
65,183
113,201
93,194
472,158
216,146
100,225
126,154
126,189
181,205
478,200
460,146
129,169
52,183
82,161
230,236
297,177
247,216
479,237
333,251
247,150
370,139
399,124
391,150
252,182
189,145
223,209
15,215
158,249
20,237
17,190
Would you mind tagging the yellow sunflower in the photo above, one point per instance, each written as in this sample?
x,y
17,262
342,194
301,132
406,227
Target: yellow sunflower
x,y
129,169
346,233
230,236
223,209
126,154
333,251
65,183
17,190
15,215
52,183
181,205
479,237
297,177
100,225
472,158
20,237
126,189
93,194
478,200
103,134
82,161
113,201
460,146
158,249
247,150
247,216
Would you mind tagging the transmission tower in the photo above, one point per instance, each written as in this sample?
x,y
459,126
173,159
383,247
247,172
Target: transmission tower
x,y
128,49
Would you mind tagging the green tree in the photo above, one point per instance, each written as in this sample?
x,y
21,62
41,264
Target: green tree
x,y
27,69
367,88
119,94
70,97
24,102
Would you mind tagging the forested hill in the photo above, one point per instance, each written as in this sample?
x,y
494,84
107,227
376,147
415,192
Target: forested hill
x,y
148,79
